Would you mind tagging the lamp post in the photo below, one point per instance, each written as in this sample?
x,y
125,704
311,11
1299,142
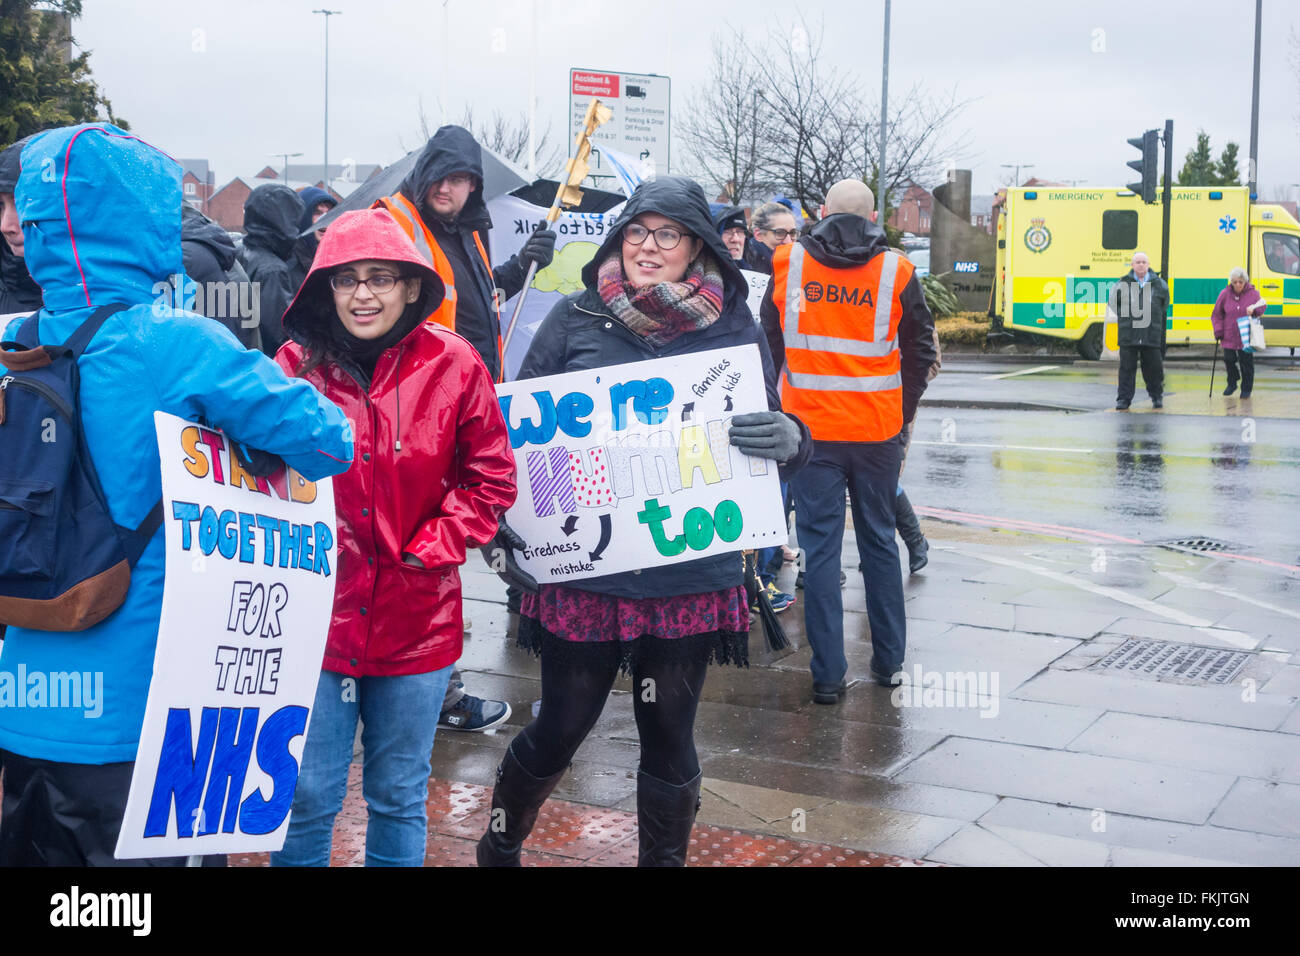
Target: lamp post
x,y
1017,167
882,200
328,14
286,163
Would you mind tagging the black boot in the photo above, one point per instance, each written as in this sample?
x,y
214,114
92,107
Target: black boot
x,y
909,528
516,799
665,813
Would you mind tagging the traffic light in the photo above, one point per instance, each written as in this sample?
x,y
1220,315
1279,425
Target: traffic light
x,y
1146,166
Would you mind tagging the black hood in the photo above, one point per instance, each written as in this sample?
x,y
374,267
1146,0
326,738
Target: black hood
x,y
196,227
452,149
730,218
678,198
271,216
845,240
17,288
9,165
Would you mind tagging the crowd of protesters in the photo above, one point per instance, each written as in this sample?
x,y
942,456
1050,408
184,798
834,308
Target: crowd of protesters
x,y
372,358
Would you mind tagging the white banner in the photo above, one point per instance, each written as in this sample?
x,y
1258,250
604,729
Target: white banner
x,y
249,590
758,283
578,236
630,466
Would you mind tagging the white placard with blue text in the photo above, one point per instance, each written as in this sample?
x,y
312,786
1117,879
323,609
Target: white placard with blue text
x,y
249,590
630,466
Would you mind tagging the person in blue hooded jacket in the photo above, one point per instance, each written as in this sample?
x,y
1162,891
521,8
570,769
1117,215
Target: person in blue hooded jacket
x,y
101,222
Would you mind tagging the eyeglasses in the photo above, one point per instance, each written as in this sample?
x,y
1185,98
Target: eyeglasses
x,y
782,233
734,231
457,179
666,237
379,283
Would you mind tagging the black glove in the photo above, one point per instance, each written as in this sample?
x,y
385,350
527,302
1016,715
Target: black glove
x,y
766,435
257,462
499,553
539,248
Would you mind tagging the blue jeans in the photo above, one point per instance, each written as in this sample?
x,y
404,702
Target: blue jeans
x,y
870,472
399,717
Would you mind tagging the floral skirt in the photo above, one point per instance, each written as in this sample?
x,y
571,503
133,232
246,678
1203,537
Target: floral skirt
x,y
599,629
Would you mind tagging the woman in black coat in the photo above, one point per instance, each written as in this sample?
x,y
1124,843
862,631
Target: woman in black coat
x,y
662,284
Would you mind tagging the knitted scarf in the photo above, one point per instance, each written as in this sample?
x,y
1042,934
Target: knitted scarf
x,y
660,313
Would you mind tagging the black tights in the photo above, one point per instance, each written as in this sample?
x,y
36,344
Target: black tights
x,y
665,696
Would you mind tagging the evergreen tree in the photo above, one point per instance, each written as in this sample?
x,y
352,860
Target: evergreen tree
x,y
1228,174
44,81
1199,168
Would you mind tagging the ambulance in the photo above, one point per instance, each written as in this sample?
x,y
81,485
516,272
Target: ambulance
x,y
1059,252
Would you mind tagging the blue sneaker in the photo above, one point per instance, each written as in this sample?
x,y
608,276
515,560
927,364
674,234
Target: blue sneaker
x,y
474,713
778,598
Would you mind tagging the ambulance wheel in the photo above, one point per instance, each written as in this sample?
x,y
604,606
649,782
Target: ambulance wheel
x,y
1090,345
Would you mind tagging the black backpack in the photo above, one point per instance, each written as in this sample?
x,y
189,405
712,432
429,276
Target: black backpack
x,y
64,564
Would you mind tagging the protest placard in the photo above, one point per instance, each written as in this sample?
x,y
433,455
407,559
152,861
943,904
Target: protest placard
x,y
577,237
758,283
250,572
630,466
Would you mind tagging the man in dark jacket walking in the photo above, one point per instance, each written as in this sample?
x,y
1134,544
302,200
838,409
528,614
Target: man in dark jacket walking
x,y
271,215
441,207
221,289
847,323
1139,302
18,291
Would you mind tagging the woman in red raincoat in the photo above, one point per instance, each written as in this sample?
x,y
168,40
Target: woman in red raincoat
x,y
432,475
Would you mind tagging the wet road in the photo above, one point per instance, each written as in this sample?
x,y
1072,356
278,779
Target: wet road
x,y
1148,477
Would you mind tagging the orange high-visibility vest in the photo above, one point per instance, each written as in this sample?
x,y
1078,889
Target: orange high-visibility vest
x,y
840,326
408,217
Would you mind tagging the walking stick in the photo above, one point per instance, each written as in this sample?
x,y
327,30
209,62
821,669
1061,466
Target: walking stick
x,y
1212,361
568,194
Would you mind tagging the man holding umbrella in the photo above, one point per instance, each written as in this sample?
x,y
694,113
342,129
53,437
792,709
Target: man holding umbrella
x,y
441,207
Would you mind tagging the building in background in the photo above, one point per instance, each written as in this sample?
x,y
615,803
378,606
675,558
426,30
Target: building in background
x,y
914,210
198,182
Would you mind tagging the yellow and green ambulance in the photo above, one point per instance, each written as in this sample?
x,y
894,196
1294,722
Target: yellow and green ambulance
x,y
1060,250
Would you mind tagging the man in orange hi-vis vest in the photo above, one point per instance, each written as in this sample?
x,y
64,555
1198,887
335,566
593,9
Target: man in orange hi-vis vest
x,y
848,326
440,205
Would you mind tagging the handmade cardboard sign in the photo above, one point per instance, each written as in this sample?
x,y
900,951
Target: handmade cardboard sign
x,y
577,237
250,572
758,283
630,466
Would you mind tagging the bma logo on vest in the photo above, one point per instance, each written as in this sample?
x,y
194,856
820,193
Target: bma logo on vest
x,y
814,291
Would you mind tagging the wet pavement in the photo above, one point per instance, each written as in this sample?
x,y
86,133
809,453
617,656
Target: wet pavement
x,y
1082,692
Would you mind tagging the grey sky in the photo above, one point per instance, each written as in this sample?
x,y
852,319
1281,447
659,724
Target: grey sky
x,y
234,81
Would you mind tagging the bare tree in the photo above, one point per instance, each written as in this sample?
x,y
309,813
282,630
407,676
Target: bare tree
x,y
776,116
505,137
509,138
722,129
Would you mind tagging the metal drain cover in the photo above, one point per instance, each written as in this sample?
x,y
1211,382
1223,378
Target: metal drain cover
x,y
1197,544
1164,659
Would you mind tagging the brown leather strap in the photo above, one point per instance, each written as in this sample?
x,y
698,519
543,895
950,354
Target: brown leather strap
x,y
26,360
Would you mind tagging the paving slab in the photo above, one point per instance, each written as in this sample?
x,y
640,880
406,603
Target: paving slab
x,y
1286,682
977,845
1109,691
1261,807
1060,623
1199,746
980,613
1292,724
1164,836
994,717
807,817
866,789
1073,779
1185,633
